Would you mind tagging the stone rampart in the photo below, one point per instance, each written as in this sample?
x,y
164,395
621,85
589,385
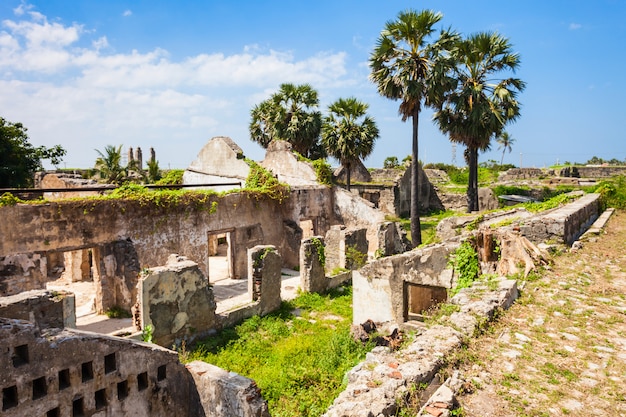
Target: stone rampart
x,y
377,385
69,373
565,224
592,171
383,283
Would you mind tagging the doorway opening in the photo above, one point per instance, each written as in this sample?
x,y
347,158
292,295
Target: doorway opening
x,y
220,259
419,299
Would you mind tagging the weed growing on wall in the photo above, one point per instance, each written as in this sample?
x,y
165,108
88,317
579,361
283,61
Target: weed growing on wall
x,y
355,259
260,181
319,247
299,363
465,262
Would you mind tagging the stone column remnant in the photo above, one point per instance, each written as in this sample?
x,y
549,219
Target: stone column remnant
x,y
264,276
312,259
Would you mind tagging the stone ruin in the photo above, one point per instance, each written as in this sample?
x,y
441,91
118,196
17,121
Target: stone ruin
x,y
128,252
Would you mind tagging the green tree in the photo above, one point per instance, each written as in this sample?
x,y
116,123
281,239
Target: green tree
x,y
290,114
348,133
505,142
479,106
154,172
408,64
391,162
109,164
19,160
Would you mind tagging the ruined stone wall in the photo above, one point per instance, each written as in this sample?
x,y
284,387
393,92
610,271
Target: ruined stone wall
x,y
177,301
592,171
382,283
154,231
22,272
565,224
64,372
70,373
42,308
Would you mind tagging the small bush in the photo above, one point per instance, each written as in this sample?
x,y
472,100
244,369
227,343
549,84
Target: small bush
x,y
172,177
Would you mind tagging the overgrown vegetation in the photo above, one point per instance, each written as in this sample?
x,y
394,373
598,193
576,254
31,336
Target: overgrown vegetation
x,y
260,181
172,177
298,362
320,249
117,312
355,259
465,262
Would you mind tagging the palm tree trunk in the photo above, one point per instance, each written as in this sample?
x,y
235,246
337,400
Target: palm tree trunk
x,y
348,175
416,232
472,186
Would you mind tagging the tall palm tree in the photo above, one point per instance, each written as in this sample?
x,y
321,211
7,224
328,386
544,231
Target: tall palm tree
x,y
407,64
290,114
348,133
109,163
478,108
505,142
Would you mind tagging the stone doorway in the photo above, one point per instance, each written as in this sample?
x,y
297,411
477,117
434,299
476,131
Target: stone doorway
x,y
419,299
220,259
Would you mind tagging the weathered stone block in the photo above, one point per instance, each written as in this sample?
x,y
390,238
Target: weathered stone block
x,y
177,301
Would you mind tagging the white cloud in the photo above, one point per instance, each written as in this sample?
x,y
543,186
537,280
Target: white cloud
x,y
575,26
75,91
127,13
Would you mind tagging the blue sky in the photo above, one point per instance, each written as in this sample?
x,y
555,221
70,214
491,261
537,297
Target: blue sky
x,y
171,75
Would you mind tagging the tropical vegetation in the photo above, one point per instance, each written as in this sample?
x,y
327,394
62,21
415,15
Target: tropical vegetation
x,y
479,106
409,64
348,133
291,114
19,159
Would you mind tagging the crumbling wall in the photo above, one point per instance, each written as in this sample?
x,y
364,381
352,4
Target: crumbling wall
x,y
70,373
382,282
42,308
177,301
64,372
155,232
312,274
116,267
22,272
219,161
224,393
565,224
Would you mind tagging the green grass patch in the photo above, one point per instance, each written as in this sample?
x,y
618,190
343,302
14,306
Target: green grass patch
x,y
299,363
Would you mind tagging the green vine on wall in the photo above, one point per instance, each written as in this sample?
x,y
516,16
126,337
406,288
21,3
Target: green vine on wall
x,y
260,181
465,262
355,259
321,253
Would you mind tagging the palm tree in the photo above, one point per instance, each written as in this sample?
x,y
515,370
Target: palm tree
x,y
109,163
348,133
479,106
291,115
407,67
505,142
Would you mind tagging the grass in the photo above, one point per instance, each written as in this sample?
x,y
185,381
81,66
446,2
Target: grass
x,y
299,361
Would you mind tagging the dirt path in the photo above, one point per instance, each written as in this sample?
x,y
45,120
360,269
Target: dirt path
x,y
561,349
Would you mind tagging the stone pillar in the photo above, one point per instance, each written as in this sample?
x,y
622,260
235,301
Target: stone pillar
x,y
391,239
152,156
335,248
312,274
264,277
139,159
116,269
356,246
131,156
